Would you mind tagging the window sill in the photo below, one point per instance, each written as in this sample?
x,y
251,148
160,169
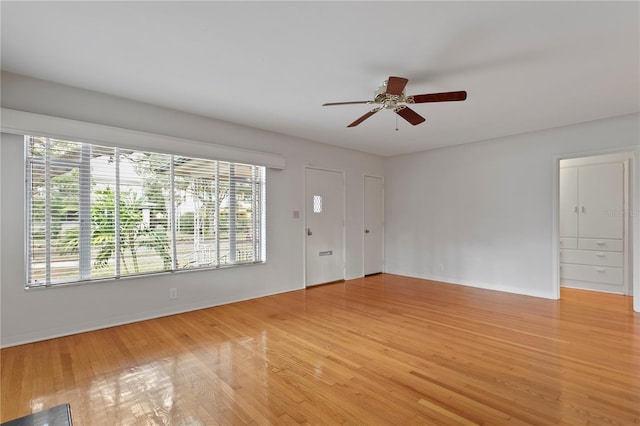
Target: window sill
x,y
139,276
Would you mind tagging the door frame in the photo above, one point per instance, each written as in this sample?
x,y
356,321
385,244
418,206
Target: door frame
x,y
633,217
344,221
364,206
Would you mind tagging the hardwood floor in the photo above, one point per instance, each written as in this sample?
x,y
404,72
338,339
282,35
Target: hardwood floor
x,y
379,350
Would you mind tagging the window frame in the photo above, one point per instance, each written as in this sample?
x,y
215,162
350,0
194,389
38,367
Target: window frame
x,y
85,194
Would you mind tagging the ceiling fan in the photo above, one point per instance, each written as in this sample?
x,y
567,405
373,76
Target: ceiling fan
x,y
390,95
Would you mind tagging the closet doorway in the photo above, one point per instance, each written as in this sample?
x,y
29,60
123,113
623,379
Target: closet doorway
x,y
595,224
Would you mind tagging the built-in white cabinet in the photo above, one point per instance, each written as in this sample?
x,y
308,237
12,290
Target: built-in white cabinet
x,y
592,228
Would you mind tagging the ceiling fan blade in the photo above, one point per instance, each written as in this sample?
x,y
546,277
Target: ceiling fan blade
x,y
364,117
347,103
395,85
410,115
440,97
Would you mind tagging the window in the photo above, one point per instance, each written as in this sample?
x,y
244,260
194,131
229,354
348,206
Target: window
x,y
317,203
102,212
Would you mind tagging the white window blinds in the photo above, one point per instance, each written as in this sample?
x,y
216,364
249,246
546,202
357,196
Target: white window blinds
x,y
98,212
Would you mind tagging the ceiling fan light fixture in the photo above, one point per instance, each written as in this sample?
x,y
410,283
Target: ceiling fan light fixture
x,y
390,95
380,93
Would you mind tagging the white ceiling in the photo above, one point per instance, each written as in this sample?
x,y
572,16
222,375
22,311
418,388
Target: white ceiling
x,y
271,65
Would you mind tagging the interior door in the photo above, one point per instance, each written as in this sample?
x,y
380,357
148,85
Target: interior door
x,y
373,225
324,215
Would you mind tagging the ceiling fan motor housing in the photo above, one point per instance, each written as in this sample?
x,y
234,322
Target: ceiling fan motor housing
x,y
388,100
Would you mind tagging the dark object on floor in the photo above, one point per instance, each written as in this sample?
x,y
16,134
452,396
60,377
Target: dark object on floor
x,y
59,415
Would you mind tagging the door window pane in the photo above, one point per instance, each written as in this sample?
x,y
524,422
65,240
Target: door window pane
x,y
317,203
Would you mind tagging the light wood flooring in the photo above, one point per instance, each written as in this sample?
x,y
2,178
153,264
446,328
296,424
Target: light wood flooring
x,y
382,350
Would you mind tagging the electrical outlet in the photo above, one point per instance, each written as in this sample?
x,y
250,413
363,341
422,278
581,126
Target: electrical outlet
x,y
173,293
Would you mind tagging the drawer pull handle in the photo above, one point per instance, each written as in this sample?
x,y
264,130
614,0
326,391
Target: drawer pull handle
x,y
600,243
600,254
600,269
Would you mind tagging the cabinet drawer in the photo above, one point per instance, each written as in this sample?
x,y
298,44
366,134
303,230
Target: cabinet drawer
x,y
601,274
600,244
569,243
590,257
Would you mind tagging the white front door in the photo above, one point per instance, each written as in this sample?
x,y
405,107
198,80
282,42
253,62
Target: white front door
x,y
373,225
324,214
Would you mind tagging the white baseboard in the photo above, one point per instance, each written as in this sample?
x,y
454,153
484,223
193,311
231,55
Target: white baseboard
x,y
486,286
52,333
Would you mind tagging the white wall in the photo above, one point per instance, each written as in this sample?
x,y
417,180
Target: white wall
x,y
482,214
39,314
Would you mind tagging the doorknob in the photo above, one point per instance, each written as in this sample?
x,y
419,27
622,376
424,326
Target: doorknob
x,y
366,231
309,231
